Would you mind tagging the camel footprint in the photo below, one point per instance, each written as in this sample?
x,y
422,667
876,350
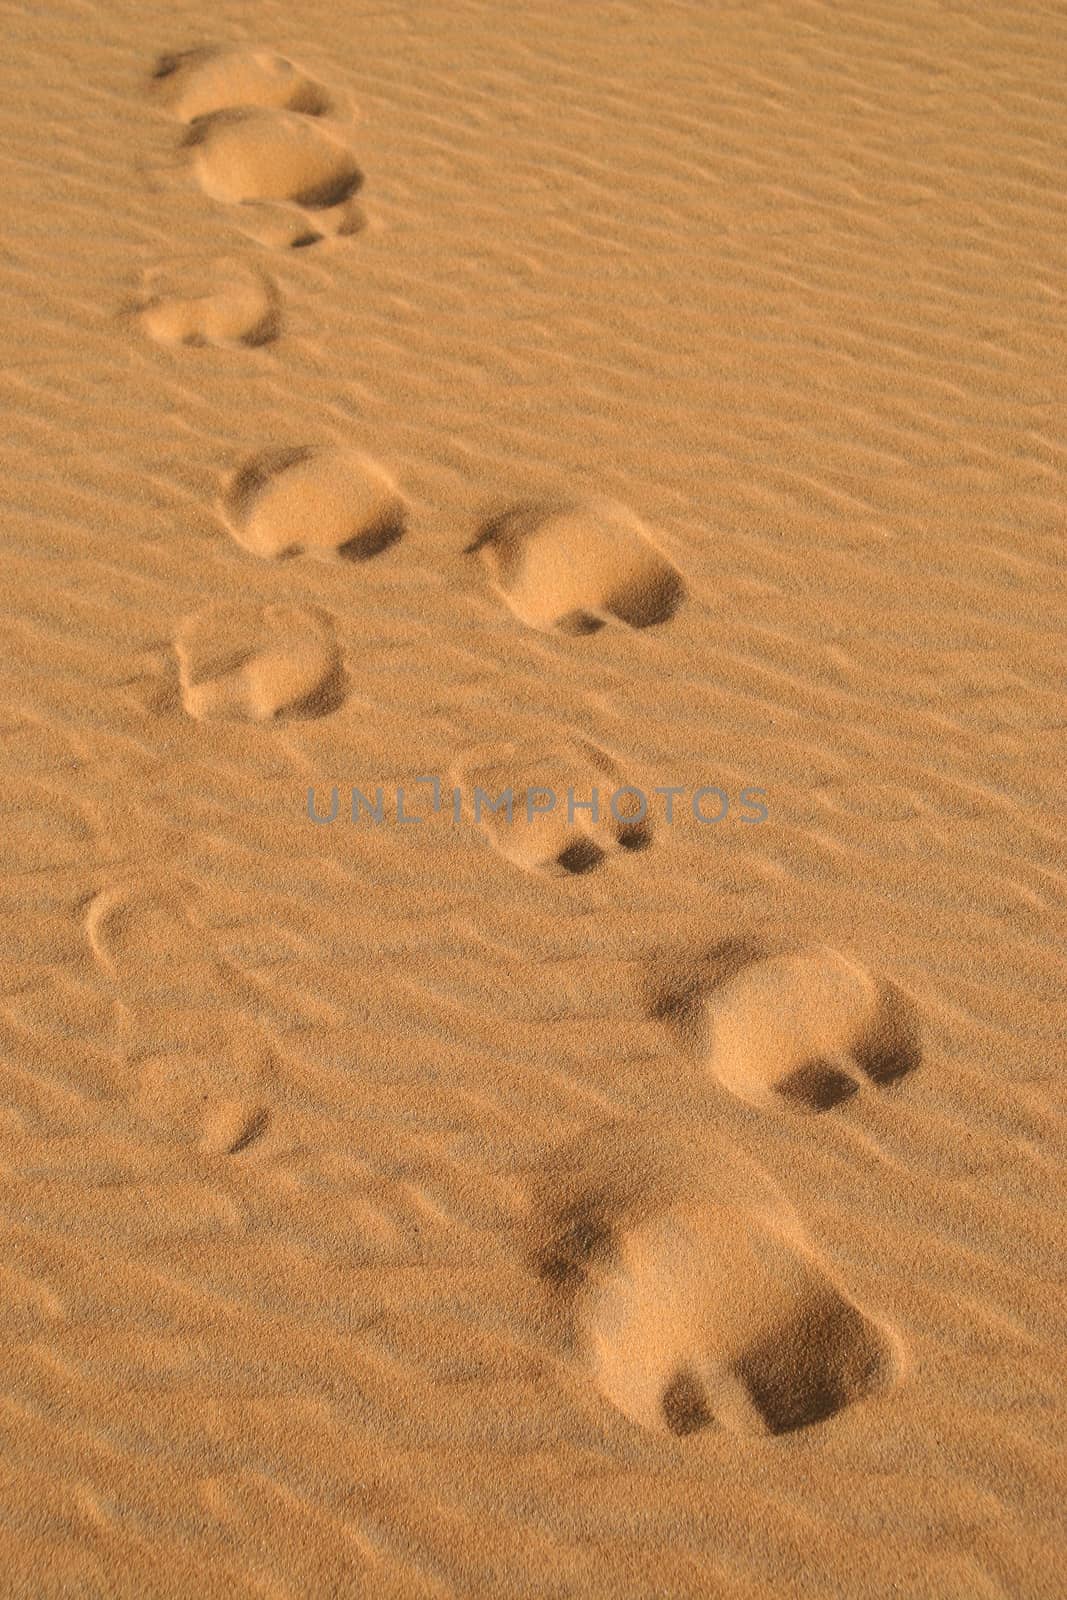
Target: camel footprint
x,y
195,83
804,1028
208,1102
574,568
542,832
254,142
323,502
238,661
224,302
294,180
690,1292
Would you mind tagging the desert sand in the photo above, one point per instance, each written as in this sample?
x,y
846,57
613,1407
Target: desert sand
x,y
588,393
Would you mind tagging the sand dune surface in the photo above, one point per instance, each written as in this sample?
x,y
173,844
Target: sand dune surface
x,y
649,1185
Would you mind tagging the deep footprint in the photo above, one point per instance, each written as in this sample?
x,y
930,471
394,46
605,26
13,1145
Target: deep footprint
x,y
252,663
195,83
260,159
691,1293
543,840
573,568
224,303
302,501
806,1029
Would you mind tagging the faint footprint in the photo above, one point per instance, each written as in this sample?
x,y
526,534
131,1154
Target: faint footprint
x,y
233,1126
225,302
246,662
549,840
244,156
302,501
686,1283
148,933
194,83
803,1027
573,568
214,1103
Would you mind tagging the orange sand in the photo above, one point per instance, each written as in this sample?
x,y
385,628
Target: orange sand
x,y
663,395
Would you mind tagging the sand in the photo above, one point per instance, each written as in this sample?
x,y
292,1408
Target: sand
x,y
667,397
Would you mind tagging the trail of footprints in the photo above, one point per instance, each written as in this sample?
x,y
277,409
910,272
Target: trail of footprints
x,y
677,1271
254,139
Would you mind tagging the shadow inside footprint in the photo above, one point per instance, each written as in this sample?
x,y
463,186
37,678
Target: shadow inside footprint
x,y
569,810
635,836
323,700
810,1369
574,567
329,503
685,1404
805,1028
377,537
582,856
579,1237
818,1085
210,78
678,982
893,1046
685,1283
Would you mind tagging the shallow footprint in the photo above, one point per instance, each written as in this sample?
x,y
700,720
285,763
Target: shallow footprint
x,y
572,568
195,83
302,501
281,226
539,839
277,156
805,1028
225,302
691,1293
147,931
220,1103
254,663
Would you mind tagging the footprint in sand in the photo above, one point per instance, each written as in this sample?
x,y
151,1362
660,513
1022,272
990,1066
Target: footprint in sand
x,y
685,1282
544,840
224,302
148,932
195,83
208,1102
303,501
239,661
804,1028
294,180
574,568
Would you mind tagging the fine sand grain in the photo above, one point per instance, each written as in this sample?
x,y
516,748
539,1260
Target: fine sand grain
x,y
662,400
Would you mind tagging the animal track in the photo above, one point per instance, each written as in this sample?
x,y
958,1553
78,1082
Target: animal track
x,y
572,568
215,1102
689,1289
253,663
549,841
233,1126
242,156
150,933
195,83
806,1027
317,502
224,303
